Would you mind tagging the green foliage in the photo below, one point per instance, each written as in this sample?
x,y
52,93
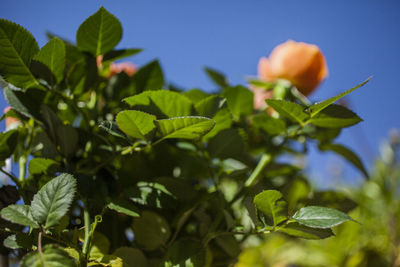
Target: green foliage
x,y
53,200
17,47
167,177
99,33
51,256
320,217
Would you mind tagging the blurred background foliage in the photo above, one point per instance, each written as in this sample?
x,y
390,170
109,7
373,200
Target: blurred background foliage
x,y
374,242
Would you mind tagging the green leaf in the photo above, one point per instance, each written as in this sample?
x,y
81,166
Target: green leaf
x,y
191,127
53,200
217,77
151,230
17,47
223,120
25,102
100,246
99,33
19,240
291,110
52,256
52,58
195,95
19,214
112,128
229,244
335,116
162,103
316,108
209,106
297,230
272,205
8,142
269,124
262,84
149,77
347,154
226,144
41,165
320,217
120,53
151,194
136,123
124,206
240,100
188,253
131,257
67,138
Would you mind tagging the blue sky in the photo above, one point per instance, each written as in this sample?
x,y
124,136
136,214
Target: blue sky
x,y
359,39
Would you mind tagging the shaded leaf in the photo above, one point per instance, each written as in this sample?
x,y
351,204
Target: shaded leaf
x,y
320,217
347,154
217,77
8,142
272,205
209,106
52,56
19,240
269,124
99,33
188,253
297,230
131,257
226,144
121,53
52,256
25,102
149,77
240,100
151,230
53,200
335,116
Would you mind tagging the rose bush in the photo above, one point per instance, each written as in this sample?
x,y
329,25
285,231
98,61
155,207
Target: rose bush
x,y
129,170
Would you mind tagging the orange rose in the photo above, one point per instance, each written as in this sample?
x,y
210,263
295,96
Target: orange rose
x,y
300,63
10,121
127,67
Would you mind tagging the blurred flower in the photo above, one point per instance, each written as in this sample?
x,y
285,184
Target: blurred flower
x,y
10,121
300,63
127,67
259,98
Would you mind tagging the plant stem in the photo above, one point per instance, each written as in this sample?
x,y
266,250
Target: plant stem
x,y
40,248
12,177
22,167
86,242
265,159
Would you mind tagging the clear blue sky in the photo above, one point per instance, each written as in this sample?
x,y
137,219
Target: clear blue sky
x,y
359,39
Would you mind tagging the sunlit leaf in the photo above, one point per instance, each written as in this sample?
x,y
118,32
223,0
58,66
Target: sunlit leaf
x,y
99,33
320,217
17,47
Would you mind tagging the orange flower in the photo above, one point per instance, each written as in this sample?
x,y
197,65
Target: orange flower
x,y
300,63
127,67
10,120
